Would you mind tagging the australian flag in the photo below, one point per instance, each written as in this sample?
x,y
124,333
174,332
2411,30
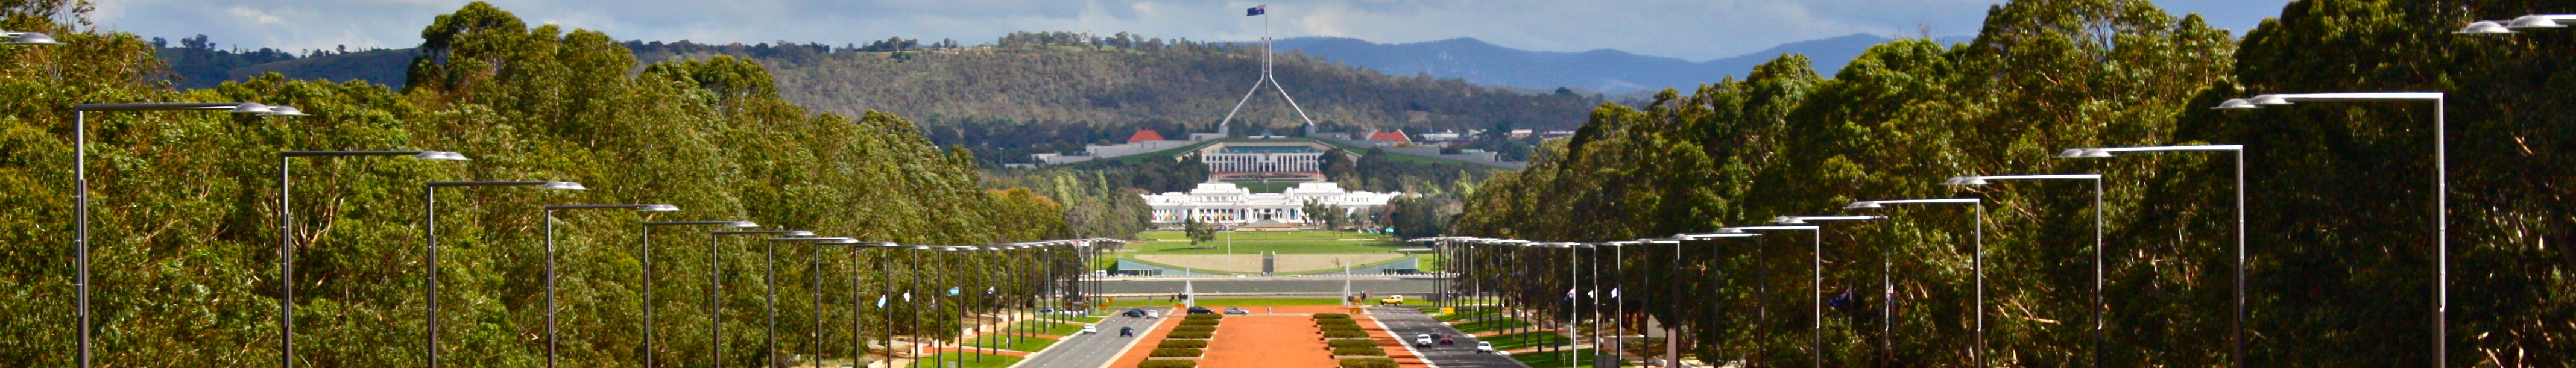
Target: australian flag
x,y
1256,11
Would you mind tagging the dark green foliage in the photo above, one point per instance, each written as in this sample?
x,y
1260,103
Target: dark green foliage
x,y
1168,364
1202,317
1176,352
1199,322
1351,343
1368,363
1191,334
1187,328
1322,316
1345,334
1192,344
1359,350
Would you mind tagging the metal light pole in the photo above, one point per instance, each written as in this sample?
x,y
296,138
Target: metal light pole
x,y
2441,190
80,176
1980,352
857,350
550,260
769,275
429,214
1816,327
644,251
286,237
1886,305
2524,23
715,283
2238,337
2100,321
1718,288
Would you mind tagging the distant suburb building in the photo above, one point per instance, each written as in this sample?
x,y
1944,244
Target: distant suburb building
x,y
1225,203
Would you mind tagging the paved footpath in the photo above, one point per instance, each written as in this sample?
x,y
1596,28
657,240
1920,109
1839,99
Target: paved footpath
x,y
1267,341
1407,322
1098,350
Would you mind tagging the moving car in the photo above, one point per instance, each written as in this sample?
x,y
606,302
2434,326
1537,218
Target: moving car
x,y
1391,300
1233,310
1126,332
1447,341
1133,313
1090,329
1422,341
1201,310
1483,347
1153,314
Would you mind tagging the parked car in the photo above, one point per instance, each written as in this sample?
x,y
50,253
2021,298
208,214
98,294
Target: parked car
x,y
1090,329
1483,347
1201,310
1233,310
1422,341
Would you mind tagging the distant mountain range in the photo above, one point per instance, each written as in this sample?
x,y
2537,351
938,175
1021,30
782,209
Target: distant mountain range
x,y
1607,71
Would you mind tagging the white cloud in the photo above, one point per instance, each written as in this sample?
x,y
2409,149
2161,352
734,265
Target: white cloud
x,y
1690,29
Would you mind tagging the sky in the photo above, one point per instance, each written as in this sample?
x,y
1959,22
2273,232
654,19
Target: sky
x,y
1695,30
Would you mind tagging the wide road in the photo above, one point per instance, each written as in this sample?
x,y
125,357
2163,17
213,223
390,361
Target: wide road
x,y
1281,285
1093,350
1407,322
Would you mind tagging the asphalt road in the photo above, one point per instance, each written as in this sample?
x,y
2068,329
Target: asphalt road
x,y
1093,350
1407,322
1272,285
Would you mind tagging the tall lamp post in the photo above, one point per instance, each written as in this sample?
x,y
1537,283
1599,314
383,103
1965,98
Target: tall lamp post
x,y
1816,327
286,237
769,275
551,337
715,286
2441,190
2099,319
645,252
1886,304
429,214
1718,288
1980,264
80,174
2238,337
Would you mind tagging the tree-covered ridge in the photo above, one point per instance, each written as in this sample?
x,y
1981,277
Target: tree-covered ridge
x,y
184,229
2341,247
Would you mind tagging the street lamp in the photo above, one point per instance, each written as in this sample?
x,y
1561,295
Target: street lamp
x,y
769,275
1980,352
1886,280
2239,150
28,38
2441,190
550,259
286,242
80,176
1717,287
715,283
857,350
645,251
1816,324
2099,322
2518,24
429,212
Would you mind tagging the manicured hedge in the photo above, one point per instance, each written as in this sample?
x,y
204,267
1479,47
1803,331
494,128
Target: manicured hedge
x,y
1168,364
1194,329
1199,322
1351,343
1193,344
1368,363
1336,334
1332,315
1190,335
1177,352
1371,350
1205,316
1336,322
1340,328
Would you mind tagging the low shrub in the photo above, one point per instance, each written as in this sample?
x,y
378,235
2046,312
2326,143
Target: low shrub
x,y
1336,322
1205,316
1351,343
1199,322
1191,335
1332,315
1177,352
1193,344
1371,350
1339,328
1368,363
1194,329
1337,334
1168,364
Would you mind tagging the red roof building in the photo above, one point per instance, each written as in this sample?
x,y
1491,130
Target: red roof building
x,y
1145,135
1394,135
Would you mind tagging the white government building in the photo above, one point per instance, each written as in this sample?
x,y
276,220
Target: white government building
x,y
1225,203
1263,157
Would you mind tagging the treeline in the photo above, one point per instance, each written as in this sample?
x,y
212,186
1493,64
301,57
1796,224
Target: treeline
x,y
185,231
2341,259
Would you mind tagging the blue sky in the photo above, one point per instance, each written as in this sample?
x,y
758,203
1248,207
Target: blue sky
x,y
1688,29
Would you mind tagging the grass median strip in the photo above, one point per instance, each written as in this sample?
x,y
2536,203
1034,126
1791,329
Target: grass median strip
x,y
968,360
1009,342
1557,359
1048,328
1525,340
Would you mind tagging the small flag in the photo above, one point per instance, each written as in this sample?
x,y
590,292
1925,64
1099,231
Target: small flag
x,y
1256,11
881,300
1594,293
907,296
952,290
1569,294
988,290
1614,292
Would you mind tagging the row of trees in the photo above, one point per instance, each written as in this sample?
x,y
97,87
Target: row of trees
x,y
184,235
2342,265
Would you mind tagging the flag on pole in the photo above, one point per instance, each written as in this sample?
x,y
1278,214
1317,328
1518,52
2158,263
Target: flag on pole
x,y
1257,11
988,290
881,299
1614,292
952,290
1569,294
907,296
1594,293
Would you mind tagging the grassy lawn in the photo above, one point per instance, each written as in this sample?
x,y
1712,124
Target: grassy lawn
x,y
1557,359
1265,235
1491,325
1463,313
967,360
1047,328
1005,342
1222,303
1525,340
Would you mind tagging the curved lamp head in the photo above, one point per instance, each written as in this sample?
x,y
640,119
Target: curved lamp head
x,y
1965,180
2237,104
2530,22
441,155
658,208
283,111
252,108
2084,153
2269,100
2485,27
800,233
745,224
1863,204
563,185
34,38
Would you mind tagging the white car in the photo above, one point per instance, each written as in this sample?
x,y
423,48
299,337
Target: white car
x,y
1484,347
1090,329
1153,314
1423,340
